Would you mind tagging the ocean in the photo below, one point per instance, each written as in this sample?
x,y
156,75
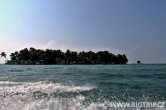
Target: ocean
x,y
82,87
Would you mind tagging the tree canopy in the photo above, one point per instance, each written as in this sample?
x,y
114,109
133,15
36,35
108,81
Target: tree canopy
x,y
3,54
50,56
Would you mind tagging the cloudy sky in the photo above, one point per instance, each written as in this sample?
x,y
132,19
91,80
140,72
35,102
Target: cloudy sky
x,y
136,28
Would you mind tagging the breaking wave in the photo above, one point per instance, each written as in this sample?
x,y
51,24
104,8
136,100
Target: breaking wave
x,y
39,96
31,87
46,96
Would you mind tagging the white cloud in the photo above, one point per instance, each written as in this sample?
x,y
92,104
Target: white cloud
x,y
53,44
50,44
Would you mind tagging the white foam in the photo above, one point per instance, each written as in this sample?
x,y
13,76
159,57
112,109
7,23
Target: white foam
x,y
18,96
10,100
28,87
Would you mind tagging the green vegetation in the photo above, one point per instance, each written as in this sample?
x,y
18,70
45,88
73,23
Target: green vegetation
x,y
3,54
138,62
50,56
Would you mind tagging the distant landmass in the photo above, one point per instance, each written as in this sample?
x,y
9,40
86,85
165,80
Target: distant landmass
x,y
50,56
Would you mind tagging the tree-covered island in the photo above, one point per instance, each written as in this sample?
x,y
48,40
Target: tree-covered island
x,y
49,56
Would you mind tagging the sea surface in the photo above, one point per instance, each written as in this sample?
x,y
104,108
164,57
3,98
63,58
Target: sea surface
x,y
80,87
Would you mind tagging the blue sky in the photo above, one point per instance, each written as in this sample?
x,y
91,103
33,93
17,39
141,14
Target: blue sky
x,y
136,28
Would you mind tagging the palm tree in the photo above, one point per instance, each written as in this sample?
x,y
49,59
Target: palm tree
x,y
3,54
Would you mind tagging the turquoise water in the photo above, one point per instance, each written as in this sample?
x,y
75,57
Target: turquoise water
x,y
80,87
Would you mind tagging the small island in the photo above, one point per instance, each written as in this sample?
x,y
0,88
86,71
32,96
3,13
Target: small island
x,y
139,62
49,56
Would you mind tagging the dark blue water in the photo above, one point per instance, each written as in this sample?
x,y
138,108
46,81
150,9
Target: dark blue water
x,y
80,87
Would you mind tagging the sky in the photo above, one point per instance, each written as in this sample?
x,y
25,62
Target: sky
x,y
136,28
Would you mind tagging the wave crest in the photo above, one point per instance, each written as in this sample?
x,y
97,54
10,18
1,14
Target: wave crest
x,y
31,87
